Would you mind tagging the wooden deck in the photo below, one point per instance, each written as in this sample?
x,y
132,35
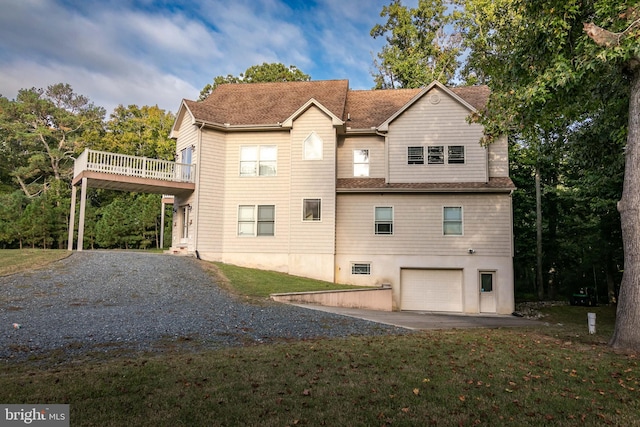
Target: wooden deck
x,y
99,169
130,173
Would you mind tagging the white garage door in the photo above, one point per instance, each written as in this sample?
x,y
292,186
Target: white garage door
x,y
431,290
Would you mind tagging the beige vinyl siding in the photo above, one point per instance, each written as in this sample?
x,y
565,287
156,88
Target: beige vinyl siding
x,y
210,190
375,145
313,179
499,158
256,190
417,225
444,123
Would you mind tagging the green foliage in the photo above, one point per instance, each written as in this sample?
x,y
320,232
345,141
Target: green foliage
x,y
264,73
131,221
420,47
41,132
139,131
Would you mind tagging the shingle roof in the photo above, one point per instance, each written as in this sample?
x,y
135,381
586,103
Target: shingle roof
x,y
272,103
378,184
267,103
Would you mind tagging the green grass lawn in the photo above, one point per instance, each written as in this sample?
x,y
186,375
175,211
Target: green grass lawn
x,y
260,284
554,374
15,260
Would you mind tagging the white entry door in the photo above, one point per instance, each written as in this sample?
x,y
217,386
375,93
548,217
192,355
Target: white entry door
x,y
487,292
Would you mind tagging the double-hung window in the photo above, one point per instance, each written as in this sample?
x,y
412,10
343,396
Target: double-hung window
x,y
258,160
360,162
256,220
452,221
384,220
455,154
415,155
311,210
435,154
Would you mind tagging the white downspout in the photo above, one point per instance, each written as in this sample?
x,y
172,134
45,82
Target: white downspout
x,y
198,168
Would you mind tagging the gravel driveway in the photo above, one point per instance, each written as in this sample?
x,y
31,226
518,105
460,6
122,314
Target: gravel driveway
x,y
105,301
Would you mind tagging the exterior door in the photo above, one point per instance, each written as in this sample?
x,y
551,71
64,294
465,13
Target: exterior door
x,y
184,234
487,292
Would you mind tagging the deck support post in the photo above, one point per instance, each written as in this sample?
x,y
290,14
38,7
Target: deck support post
x,y
83,203
162,224
72,218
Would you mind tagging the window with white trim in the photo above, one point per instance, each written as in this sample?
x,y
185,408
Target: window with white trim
x,y
312,147
258,160
360,162
452,221
360,268
256,220
435,154
455,154
415,155
311,209
383,220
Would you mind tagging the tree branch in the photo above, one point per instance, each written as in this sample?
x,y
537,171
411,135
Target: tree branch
x,y
607,38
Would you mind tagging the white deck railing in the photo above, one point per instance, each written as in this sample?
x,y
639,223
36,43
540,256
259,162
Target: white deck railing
x,y
143,167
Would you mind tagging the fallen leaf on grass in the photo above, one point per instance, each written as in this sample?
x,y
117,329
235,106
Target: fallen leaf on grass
x,y
416,391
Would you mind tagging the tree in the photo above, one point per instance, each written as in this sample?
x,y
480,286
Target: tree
x,y
273,72
139,131
542,66
620,45
42,130
419,47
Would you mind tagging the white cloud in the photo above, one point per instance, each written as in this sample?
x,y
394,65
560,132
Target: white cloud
x,y
158,51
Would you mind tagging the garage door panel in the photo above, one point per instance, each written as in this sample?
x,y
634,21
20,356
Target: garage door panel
x,y
431,290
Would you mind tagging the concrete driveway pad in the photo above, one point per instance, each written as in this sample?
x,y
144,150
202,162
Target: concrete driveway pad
x,y
419,320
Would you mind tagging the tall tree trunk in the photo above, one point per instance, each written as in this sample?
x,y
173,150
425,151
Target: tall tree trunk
x,y
627,330
539,278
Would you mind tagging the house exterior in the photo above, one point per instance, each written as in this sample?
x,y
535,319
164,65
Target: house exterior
x,y
381,187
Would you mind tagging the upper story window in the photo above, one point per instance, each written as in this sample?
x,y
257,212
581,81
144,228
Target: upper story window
x,y
256,220
452,221
312,147
360,162
258,160
455,154
415,155
311,210
435,154
384,220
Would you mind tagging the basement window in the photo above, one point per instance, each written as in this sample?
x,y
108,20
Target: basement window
x,y
360,268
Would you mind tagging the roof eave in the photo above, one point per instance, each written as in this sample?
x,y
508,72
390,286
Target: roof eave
x,y
227,127
423,190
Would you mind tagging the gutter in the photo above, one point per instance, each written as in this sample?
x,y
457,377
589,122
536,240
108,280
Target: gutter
x,y
231,128
423,190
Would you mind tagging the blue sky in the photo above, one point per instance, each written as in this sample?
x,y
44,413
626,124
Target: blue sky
x,y
157,52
